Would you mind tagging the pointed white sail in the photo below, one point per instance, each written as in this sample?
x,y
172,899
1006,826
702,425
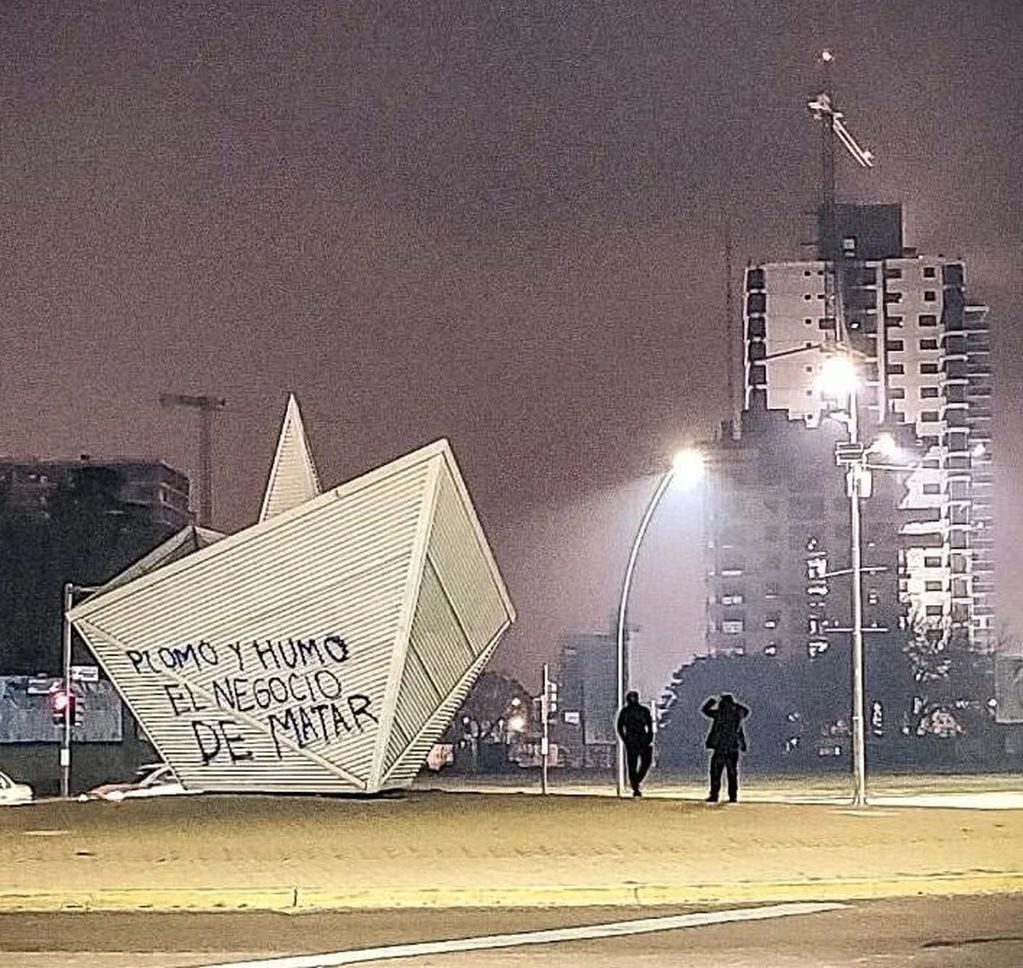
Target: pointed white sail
x,y
293,479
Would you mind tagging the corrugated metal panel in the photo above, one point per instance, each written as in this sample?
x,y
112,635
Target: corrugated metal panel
x,y
336,566
411,760
461,611
459,552
438,656
293,478
220,654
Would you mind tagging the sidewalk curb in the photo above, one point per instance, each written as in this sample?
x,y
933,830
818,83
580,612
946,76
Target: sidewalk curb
x,y
303,900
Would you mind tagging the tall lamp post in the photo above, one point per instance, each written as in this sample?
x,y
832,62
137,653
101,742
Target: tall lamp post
x,y
840,377
685,464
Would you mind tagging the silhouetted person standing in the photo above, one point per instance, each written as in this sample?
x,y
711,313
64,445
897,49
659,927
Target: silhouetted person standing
x,y
636,728
726,738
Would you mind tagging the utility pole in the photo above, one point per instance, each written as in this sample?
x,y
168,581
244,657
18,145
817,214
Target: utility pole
x,y
206,406
545,739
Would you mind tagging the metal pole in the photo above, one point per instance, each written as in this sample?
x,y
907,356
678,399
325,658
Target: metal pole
x,y
855,480
623,665
545,738
65,743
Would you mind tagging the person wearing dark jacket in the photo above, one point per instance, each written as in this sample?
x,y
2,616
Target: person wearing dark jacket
x,y
636,729
726,738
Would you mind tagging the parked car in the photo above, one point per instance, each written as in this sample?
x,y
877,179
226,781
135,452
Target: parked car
x,y
154,780
12,794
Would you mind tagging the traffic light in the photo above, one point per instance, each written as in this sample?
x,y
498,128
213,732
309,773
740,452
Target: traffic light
x,y
63,705
552,697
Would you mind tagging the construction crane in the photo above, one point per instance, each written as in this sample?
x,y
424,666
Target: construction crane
x,y
206,407
833,129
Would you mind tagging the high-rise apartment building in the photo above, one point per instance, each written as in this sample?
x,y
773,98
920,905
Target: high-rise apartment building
x,y
778,538
925,365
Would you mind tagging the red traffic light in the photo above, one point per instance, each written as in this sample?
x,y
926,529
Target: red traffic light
x,y
63,705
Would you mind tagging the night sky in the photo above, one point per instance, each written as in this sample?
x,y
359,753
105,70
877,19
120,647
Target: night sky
x,y
499,222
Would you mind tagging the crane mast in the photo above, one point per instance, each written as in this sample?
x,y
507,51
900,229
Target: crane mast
x,y
206,406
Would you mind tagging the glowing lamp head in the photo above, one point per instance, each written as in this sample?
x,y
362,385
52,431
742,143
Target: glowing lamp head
x,y
827,56
838,378
886,446
978,450
688,466
516,724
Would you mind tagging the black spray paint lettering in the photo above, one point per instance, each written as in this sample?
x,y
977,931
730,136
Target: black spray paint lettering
x,y
320,723
219,736
243,695
236,649
195,655
282,655
182,699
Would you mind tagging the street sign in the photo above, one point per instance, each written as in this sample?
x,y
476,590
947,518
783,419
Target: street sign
x,y
848,453
85,673
41,685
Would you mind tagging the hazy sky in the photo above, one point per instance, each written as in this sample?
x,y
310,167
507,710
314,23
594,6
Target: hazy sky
x,y
499,222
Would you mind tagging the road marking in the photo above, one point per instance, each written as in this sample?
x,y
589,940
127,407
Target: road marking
x,y
45,833
589,932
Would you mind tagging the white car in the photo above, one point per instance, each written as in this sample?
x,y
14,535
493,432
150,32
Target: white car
x,y
13,794
155,780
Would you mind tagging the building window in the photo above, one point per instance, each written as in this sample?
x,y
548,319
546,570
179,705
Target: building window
x,y
816,646
932,561
927,320
897,393
894,322
770,590
927,393
771,649
892,272
932,489
930,272
928,367
928,344
933,586
929,416
933,611
895,345
736,598
772,620
732,626
896,369
930,295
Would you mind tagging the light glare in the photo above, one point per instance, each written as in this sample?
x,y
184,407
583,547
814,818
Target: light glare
x,y
838,377
688,466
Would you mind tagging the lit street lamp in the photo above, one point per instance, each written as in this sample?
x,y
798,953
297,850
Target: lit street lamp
x,y
687,466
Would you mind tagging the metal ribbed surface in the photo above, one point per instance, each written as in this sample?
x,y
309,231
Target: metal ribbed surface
x,y
397,552
337,565
462,609
293,479
411,759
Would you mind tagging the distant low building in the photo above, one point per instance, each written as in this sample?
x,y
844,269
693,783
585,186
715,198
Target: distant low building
x,y
584,722
30,485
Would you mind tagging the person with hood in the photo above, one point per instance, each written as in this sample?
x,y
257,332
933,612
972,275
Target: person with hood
x,y
636,729
726,738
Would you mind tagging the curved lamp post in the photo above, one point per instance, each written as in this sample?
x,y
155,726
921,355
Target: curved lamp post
x,y
686,464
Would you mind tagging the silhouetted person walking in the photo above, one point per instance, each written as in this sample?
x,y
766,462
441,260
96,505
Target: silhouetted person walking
x,y
636,728
726,738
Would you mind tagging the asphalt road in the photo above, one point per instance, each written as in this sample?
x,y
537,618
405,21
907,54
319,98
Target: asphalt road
x,y
934,932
